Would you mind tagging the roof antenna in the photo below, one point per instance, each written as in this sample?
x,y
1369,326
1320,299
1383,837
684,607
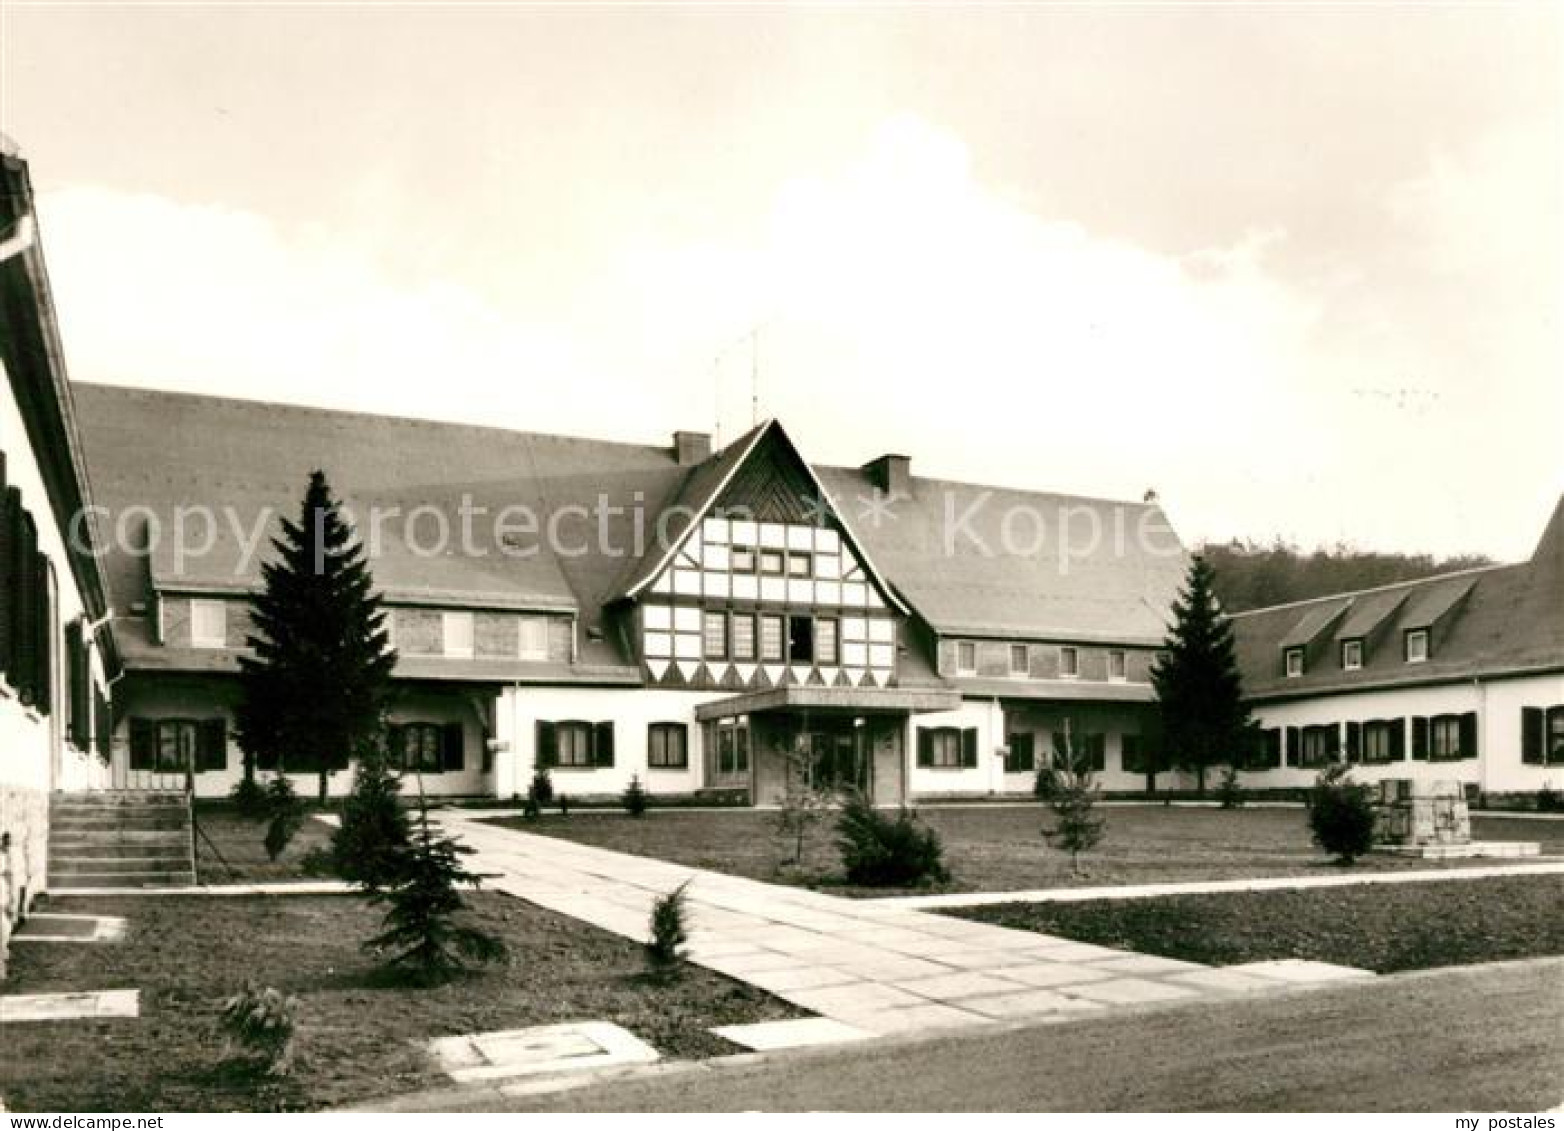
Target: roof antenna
x,y
754,377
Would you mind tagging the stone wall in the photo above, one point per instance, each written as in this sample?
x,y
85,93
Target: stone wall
x,y
24,847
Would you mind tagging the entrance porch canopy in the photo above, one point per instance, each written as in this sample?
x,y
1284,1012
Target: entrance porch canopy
x,y
858,700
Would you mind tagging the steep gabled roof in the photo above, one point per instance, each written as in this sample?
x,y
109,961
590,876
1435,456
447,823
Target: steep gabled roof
x,y
1000,562
1104,571
708,483
1488,621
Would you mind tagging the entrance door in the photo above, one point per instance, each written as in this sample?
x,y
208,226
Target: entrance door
x,y
838,759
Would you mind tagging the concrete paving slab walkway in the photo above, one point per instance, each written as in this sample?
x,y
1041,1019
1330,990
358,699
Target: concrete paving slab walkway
x,y
874,965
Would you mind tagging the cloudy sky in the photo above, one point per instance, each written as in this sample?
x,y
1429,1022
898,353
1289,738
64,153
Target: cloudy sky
x,y
1296,268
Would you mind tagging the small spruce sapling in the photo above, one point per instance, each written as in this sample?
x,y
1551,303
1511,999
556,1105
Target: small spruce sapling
x,y
372,838
804,804
634,798
669,933
284,816
424,938
1073,799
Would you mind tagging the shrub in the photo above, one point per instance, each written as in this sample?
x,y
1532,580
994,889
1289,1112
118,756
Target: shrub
x,y
249,799
882,851
423,937
541,791
1549,801
634,798
371,841
1341,814
258,1024
1230,791
284,815
1045,783
669,933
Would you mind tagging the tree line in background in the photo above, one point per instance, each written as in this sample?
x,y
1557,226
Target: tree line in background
x,y
1253,575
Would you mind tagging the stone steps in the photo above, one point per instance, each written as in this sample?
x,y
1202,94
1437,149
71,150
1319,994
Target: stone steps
x,y
119,840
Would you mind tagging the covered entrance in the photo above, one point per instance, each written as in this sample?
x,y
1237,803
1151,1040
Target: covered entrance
x,y
840,738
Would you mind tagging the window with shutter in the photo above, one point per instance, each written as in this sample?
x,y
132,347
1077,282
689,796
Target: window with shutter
x,y
547,744
1444,738
603,745
43,629
1294,746
1398,740
969,745
102,725
573,745
1468,735
1354,742
667,746
24,606
453,752
1553,750
79,690
422,747
940,748
143,744
395,747
1420,739
1531,735
10,583
212,745
1131,758
1019,753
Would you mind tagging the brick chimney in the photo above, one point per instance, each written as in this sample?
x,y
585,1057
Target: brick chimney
x,y
691,448
892,474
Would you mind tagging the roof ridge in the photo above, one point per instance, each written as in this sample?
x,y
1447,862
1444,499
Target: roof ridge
x,y
1105,499
355,414
1346,593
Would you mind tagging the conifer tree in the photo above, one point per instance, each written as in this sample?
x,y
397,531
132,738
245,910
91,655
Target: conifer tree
x,y
372,839
1199,690
316,688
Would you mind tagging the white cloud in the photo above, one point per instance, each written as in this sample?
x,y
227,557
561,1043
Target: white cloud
x,y
906,306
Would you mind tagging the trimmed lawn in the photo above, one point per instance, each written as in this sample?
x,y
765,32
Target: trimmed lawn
x,y
1384,928
242,859
358,1038
1001,848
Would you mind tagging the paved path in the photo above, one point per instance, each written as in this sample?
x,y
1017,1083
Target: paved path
x,y
1214,887
1406,1042
882,969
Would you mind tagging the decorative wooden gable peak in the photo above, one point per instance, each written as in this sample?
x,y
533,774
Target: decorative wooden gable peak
x,y
763,495
773,485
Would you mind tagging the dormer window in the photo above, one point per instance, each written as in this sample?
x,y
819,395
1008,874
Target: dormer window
x,y
1351,655
966,657
1069,663
1019,662
208,624
1118,668
1293,658
1417,646
458,635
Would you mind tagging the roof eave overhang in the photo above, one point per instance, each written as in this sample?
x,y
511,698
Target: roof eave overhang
x,y
801,697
